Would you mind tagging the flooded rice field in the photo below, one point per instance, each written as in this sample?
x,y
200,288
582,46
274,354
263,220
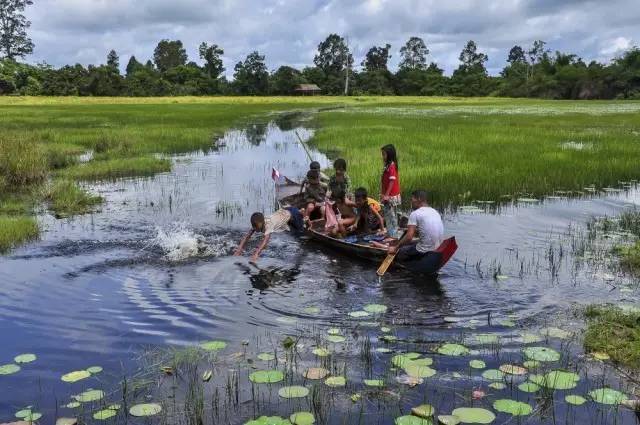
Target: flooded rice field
x,y
143,301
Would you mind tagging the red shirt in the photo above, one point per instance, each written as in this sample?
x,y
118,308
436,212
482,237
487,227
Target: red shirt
x,y
390,178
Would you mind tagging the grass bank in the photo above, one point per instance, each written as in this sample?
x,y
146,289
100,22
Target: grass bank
x,y
66,198
616,332
16,230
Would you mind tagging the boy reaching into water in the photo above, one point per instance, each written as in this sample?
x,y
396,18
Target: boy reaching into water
x,y
286,219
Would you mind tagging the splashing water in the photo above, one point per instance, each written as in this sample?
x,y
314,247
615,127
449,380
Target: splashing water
x,y
180,243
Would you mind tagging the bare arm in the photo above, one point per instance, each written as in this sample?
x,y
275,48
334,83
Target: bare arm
x,y
408,237
261,247
382,227
243,242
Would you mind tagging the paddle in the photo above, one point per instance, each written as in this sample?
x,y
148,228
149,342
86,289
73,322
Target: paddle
x,y
388,261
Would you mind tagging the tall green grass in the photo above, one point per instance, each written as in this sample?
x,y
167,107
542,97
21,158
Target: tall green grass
x,y
67,198
615,332
117,168
15,231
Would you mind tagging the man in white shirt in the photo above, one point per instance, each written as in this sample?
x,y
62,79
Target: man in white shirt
x,y
428,224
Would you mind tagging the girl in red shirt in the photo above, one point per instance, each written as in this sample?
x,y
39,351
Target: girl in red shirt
x,y
390,189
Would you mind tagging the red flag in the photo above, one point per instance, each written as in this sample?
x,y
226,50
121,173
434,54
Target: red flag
x,y
275,174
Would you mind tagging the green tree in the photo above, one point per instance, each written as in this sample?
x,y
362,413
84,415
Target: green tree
x,y
284,80
377,58
133,65
516,55
212,57
413,55
14,42
334,60
251,76
103,81
169,54
471,78
113,61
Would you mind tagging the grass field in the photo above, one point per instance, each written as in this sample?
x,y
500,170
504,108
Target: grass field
x,y
460,149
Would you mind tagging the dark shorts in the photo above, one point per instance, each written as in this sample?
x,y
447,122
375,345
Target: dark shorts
x,y
422,262
296,224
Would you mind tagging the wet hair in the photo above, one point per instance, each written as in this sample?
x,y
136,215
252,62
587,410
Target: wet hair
x,y
420,195
390,150
338,195
340,164
361,193
313,174
315,165
257,219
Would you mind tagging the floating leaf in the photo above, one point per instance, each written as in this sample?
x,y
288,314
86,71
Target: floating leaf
x,y
383,350
511,369
411,381
385,329
556,379
375,308
213,345
607,396
529,387
336,339
358,314
477,364
400,360
206,377
531,364
576,400
269,420
28,415
507,323
486,339
75,376
424,410
146,409
412,420
266,376
453,350
530,338
321,352
356,397
73,405
474,415
94,370
336,381
419,371
493,375
497,385
448,419
515,408
334,331
104,414
89,396
9,369
266,357
287,320
66,421
294,391
389,338
542,354
24,358
374,382
302,418
312,310
316,373
555,333
596,355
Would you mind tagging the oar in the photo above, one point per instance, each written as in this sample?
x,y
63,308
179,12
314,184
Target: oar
x,y
386,264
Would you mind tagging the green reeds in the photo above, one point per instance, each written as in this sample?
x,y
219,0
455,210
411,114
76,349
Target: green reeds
x,y
614,331
67,198
117,168
15,231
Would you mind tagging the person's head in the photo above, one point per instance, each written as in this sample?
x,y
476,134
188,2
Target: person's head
x,y
338,196
315,165
340,165
418,199
313,177
361,196
389,155
257,222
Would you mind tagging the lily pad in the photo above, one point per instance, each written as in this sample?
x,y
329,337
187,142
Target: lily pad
x,y
607,396
424,410
530,338
266,376
75,376
302,418
316,373
105,414
411,381
374,382
600,356
321,352
73,405
453,350
383,350
477,364
448,419
385,329
24,358
94,369
412,420
511,369
498,385
515,408
294,391
529,387
493,375
531,364
268,420
389,338
358,314
266,357
556,333
417,370
336,339
334,331
576,400
556,379
67,421
9,369
375,308
312,310
89,396
28,415
486,339
401,360
474,415
146,409
213,345
542,354
336,381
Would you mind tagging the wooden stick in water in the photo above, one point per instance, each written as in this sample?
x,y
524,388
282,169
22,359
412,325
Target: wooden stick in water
x,y
386,264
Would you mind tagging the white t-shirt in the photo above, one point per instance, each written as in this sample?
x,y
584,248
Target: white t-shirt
x,y
430,228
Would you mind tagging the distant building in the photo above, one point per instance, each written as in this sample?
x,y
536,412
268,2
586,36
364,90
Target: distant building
x,y
308,89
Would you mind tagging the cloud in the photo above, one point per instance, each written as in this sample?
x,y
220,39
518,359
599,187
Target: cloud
x,y
288,31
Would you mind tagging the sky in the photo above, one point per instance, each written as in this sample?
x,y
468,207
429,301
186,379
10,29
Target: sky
x,y
287,32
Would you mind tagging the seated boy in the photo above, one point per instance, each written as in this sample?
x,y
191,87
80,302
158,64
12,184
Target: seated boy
x,y
345,214
340,181
368,218
286,219
315,193
315,165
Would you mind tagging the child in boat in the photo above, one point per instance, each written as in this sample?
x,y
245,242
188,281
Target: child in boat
x,y
340,181
368,218
390,189
315,193
285,219
345,214
315,165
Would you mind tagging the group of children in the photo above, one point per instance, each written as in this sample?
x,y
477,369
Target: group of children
x,y
331,198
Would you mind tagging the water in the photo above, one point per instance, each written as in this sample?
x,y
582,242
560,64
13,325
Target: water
x,y
152,270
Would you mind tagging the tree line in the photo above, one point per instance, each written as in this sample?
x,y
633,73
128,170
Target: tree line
x,y
532,71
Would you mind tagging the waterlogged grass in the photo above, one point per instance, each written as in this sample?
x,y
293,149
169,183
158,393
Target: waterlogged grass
x,y
117,168
67,198
15,231
615,332
461,155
